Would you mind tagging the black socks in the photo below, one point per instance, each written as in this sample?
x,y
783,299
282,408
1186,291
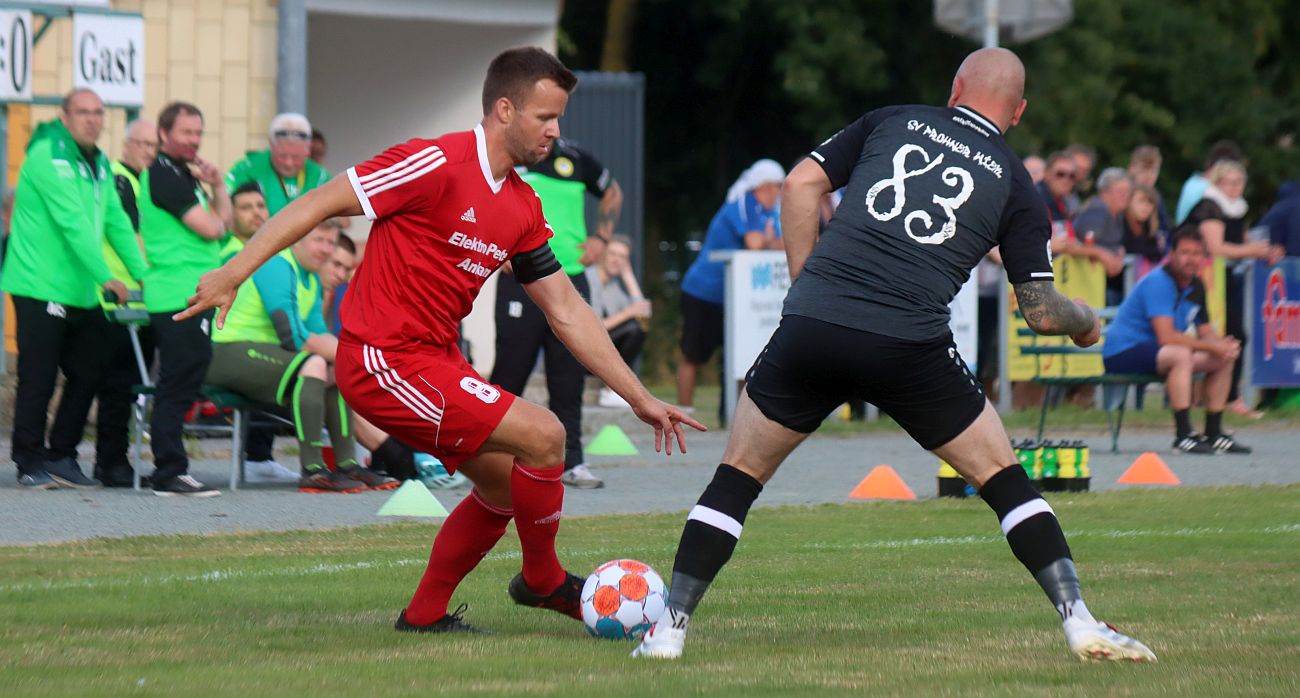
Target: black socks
x,y
710,536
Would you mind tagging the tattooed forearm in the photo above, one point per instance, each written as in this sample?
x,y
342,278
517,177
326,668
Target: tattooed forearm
x,y
1046,311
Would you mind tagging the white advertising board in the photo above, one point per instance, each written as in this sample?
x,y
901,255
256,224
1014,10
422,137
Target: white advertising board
x,y
15,55
108,57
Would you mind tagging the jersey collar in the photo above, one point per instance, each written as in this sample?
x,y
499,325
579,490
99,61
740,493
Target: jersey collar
x,y
480,140
979,118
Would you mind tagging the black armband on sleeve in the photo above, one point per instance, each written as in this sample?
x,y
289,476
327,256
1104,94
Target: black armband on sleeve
x,y
535,265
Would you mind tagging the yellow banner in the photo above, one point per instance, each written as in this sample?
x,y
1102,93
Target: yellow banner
x,y
1075,278
1214,274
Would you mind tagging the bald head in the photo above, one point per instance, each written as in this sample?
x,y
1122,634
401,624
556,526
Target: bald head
x,y
992,82
141,145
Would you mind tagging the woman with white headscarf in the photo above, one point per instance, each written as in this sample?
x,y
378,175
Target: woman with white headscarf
x,y
748,220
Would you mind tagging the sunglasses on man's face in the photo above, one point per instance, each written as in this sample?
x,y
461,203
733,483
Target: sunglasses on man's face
x,y
1063,174
291,136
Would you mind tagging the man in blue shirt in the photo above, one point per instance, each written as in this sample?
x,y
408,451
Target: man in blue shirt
x,y
1150,334
747,221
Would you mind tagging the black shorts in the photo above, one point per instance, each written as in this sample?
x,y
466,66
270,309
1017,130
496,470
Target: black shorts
x,y
701,328
810,367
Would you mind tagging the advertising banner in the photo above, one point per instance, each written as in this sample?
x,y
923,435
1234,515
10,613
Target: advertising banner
x,y
1275,324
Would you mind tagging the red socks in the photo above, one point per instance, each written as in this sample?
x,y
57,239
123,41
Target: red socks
x,y
538,497
471,530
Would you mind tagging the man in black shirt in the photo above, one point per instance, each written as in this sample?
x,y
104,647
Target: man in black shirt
x,y
562,181
928,192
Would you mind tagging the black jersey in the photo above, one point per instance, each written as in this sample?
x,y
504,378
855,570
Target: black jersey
x,y
928,192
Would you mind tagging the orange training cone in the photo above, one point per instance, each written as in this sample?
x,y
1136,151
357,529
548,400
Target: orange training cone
x,y
882,483
1148,469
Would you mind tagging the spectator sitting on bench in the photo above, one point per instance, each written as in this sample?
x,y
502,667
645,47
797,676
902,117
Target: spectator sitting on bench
x,y
616,298
1149,336
275,349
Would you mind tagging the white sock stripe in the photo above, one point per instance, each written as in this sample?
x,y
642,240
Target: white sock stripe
x,y
474,494
716,519
532,475
1024,511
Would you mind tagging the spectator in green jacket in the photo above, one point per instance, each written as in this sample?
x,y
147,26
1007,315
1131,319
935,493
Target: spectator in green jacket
x,y
65,209
284,170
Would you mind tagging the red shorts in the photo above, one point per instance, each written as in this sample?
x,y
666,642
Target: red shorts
x,y
428,397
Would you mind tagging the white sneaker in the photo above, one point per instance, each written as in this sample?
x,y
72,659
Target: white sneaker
x,y
609,398
580,477
666,638
268,471
1093,641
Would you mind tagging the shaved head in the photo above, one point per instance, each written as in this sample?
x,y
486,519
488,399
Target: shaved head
x,y
992,82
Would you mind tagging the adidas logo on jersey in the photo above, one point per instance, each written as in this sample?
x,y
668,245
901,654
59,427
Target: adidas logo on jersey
x,y
468,216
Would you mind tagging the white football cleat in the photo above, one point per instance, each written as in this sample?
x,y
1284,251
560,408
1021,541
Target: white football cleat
x,y
664,640
1093,641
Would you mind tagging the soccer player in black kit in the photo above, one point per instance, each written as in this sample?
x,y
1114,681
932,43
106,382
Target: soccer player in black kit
x,y
928,191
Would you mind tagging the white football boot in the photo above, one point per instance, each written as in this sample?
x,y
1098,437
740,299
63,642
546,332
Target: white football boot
x,y
1094,641
665,639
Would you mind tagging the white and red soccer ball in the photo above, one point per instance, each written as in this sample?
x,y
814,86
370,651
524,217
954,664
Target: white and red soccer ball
x,y
622,599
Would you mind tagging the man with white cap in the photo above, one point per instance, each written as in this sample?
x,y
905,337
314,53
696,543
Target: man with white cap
x,y
747,221
283,171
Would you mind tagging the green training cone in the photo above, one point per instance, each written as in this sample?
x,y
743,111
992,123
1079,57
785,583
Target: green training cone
x,y
611,441
412,499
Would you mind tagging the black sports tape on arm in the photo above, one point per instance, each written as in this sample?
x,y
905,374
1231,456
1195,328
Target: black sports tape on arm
x,y
535,264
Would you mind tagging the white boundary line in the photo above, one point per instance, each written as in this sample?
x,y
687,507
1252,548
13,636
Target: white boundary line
x,y
223,575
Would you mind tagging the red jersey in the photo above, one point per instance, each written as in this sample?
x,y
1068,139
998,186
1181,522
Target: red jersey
x,y
442,226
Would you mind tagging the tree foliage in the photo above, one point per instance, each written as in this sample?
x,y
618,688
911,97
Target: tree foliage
x,y
730,81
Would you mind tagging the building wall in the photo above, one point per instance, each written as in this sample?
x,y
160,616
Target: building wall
x,y
218,54
374,82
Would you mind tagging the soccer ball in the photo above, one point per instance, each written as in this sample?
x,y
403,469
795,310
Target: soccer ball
x,y
622,599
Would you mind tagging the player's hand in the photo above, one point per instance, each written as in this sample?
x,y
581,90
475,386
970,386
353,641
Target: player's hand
x,y
118,289
216,289
1093,335
667,421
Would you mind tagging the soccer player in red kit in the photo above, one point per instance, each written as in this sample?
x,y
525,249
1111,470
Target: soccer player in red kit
x,y
447,213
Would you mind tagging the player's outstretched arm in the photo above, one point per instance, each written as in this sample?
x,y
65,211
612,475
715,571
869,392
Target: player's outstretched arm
x,y
801,197
217,288
1047,312
576,324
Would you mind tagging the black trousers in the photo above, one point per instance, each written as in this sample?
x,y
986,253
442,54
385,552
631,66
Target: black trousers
x,y
628,338
52,338
184,352
1234,317
521,332
120,374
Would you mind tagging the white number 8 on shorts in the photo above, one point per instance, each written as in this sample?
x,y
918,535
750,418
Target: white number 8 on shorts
x,y
479,389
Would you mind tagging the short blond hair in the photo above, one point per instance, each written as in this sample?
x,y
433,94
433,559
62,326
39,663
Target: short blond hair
x,y
1223,168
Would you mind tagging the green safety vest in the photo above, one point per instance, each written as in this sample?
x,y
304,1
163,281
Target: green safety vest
x,y
114,262
563,204
178,256
248,319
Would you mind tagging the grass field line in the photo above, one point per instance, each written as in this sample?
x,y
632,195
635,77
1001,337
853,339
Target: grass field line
x,y
229,574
